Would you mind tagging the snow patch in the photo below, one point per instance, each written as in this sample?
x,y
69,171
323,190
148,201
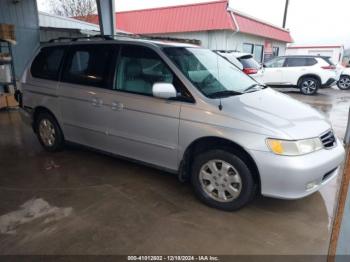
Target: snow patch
x,y
30,210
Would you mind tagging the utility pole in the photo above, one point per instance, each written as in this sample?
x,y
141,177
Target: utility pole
x,y
285,14
342,203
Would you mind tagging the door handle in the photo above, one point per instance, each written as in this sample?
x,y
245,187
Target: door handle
x,y
94,102
97,102
117,106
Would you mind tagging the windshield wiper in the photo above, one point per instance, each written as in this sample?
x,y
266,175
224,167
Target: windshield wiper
x,y
253,87
224,93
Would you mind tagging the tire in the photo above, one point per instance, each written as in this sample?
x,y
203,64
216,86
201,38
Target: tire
x,y
238,177
49,132
344,82
309,85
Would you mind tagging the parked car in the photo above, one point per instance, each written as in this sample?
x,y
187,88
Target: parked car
x,y
308,73
183,109
344,80
245,62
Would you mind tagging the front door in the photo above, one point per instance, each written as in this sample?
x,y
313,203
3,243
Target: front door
x,y
273,72
143,127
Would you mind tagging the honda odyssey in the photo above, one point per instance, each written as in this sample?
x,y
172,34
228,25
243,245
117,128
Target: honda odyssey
x,y
181,108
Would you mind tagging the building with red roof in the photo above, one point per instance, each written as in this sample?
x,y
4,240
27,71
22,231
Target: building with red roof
x,y
213,23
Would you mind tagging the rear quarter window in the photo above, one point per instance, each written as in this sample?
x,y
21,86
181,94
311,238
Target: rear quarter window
x,y
311,61
47,63
89,65
328,60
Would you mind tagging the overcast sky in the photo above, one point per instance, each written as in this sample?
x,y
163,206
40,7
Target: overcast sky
x,y
310,21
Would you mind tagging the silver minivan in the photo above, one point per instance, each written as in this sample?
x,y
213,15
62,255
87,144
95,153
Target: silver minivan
x,y
181,108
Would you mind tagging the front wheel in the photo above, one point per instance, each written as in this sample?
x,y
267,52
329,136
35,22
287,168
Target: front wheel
x,y
309,85
222,180
344,82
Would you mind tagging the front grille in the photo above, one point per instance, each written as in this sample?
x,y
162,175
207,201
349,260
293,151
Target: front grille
x,y
328,139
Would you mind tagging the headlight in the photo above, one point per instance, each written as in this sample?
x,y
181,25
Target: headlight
x,y
294,148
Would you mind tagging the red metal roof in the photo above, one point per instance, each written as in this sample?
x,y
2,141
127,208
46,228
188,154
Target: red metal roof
x,y
194,17
254,27
184,18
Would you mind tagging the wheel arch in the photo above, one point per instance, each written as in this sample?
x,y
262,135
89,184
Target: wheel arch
x,y
42,109
310,75
211,142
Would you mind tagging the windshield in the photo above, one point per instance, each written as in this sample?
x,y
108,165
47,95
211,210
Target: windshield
x,y
211,74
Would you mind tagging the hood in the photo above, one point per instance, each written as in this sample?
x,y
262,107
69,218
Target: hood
x,y
275,111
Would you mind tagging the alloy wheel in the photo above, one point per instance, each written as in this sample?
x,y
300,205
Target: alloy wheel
x,y
344,83
308,86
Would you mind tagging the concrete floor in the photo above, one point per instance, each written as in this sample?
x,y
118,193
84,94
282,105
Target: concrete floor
x,y
82,202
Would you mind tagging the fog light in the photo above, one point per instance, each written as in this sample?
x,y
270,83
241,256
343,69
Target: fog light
x,y
311,185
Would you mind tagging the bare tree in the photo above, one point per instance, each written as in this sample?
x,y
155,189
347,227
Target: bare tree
x,y
74,8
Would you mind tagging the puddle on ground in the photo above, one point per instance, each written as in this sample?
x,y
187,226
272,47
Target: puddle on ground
x,y
29,211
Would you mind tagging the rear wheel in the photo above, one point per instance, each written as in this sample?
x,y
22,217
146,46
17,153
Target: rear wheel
x,y
309,85
344,82
222,180
49,132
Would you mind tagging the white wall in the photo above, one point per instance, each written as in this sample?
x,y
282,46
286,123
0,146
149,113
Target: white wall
x,y
336,53
227,40
49,20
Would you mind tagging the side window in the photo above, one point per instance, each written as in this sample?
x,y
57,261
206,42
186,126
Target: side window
x,y
80,62
311,61
277,62
275,51
300,61
47,63
258,52
139,68
89,65
248,48
295,62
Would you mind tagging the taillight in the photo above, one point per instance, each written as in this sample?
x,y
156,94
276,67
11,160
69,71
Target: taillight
x,y
250,71
330,67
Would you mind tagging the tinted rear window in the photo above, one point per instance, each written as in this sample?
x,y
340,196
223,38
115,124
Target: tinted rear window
x,y
47,63
249,62
89,65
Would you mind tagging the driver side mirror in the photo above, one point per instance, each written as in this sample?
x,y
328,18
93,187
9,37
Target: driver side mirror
x,y
163,90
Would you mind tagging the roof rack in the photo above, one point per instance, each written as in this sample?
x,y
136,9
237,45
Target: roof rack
x,y
126,35
74,39
227,51
172,39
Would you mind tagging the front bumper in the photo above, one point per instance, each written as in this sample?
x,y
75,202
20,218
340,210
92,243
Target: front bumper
x,y
293,177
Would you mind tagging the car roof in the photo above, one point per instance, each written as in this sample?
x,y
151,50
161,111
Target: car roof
x,y
237,54
119,40
304,56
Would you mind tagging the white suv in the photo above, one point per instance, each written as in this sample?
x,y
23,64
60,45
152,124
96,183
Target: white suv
x,y
309,73
244,62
